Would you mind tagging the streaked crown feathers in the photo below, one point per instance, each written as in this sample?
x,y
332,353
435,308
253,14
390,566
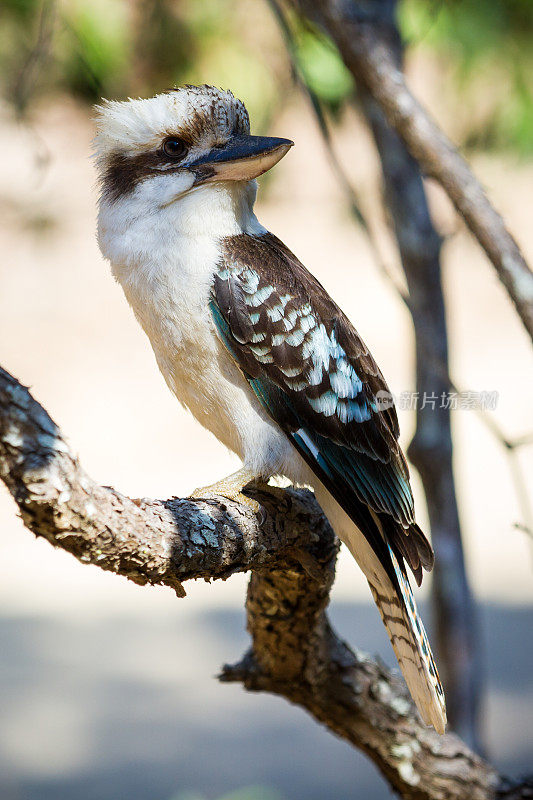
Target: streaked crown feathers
x,y
195,112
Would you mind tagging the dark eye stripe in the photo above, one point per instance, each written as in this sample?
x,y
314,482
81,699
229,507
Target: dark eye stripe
x,y
124,172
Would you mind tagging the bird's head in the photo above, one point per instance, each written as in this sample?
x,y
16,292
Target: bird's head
x,y
173,143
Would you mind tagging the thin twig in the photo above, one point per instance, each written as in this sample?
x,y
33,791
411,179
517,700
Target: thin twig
x,y
25,82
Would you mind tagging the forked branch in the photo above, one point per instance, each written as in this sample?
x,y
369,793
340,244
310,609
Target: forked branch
x,y
291,554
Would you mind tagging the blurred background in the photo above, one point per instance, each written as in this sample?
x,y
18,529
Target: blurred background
x,y
108,690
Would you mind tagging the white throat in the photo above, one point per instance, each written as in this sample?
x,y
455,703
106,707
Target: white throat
x,y
165,259
151,223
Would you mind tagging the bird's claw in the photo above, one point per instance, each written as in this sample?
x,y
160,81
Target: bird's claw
x,y
231,488
209,492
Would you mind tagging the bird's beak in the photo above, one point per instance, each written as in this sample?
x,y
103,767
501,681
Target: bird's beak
x,y
240,159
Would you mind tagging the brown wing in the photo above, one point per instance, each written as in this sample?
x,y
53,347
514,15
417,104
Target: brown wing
x,y
318,380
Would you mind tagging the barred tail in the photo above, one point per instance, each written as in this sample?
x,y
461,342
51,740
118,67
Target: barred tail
x,y
410,643
397,607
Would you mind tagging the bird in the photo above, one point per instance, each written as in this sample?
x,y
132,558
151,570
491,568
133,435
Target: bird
x,y
251,343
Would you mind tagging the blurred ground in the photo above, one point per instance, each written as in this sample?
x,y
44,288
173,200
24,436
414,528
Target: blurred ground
x,y
123,707
106,688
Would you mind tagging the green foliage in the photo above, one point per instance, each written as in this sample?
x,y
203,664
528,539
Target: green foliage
x,y
489,48
164,45
228,57
20,9
117,48
95,48
322,69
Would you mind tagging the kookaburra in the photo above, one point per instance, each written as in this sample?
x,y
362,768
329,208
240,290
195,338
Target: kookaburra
x,y
251,343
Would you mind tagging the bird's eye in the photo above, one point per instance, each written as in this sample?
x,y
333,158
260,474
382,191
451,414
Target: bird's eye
x,y
174,147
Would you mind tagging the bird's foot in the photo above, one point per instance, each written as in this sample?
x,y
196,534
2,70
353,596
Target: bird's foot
x,y
231,488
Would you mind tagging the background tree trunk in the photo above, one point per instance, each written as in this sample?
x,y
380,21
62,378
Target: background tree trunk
x,y
409,142
431,450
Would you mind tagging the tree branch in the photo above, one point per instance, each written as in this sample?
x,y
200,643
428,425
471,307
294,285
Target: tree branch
x,y
291,552
297,655
148,541
372,63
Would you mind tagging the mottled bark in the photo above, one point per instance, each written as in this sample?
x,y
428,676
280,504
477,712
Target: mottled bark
x,y
291,552
148,541
375,67
296,654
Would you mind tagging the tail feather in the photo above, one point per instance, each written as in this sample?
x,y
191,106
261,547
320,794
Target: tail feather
x,y
391,590
410,643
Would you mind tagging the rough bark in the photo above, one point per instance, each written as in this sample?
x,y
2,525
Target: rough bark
x,y
148,541
431,448
374,66
291,552
296,654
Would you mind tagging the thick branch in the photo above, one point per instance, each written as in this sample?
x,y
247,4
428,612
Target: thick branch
x,y
148,541
372,63
296,654
291,553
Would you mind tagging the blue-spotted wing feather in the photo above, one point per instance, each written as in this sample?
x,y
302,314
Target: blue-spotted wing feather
x,y
314,375
317,380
